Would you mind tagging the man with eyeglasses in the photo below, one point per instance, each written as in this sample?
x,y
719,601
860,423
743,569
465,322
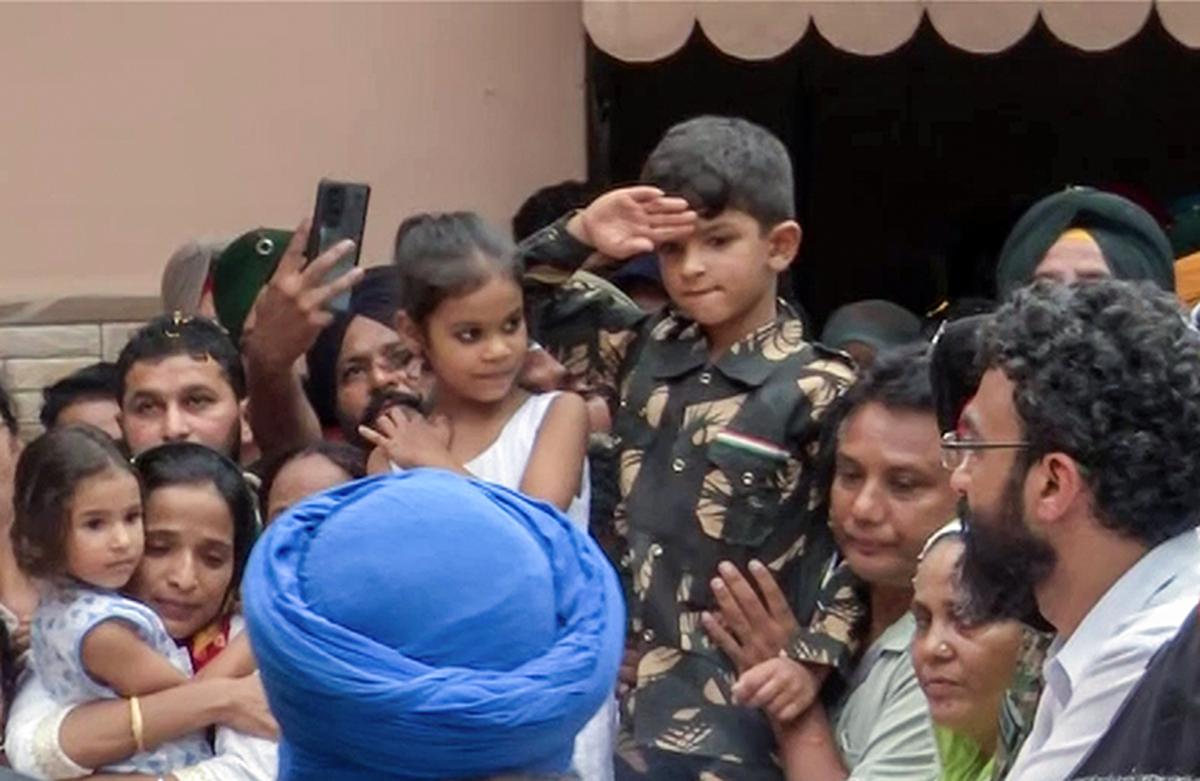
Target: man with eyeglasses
x,y
1077,458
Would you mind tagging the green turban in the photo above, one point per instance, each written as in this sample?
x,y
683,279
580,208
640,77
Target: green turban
x,y
1133,245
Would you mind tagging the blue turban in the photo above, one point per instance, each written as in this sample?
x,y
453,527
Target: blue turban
x,y
428,626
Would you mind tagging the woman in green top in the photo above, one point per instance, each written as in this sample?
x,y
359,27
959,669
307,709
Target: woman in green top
x,y
963,668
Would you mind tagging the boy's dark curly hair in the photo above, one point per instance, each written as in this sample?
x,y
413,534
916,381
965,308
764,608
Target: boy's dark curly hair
x,y
1109,373
720,163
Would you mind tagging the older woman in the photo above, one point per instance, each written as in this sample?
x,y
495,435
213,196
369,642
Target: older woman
x,y
199,527
964,668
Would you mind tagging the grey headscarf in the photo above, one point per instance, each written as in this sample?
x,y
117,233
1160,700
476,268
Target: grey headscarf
x,y
186,272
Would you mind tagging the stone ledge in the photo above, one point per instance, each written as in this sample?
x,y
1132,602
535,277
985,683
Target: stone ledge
x,y
113,337
33,374
81,309
29,407
43,341
49,341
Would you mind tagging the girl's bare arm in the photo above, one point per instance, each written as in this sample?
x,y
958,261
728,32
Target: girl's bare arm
x,y
555,467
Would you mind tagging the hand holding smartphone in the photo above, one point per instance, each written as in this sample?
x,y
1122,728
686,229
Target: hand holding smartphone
x,y
340,213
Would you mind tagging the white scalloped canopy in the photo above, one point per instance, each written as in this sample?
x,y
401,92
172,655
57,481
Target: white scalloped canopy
x,y
648,30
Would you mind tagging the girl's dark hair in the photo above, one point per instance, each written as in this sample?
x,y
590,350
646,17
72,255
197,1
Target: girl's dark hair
x,y
444,255
187,463
350,459
8,413
48,473
8,671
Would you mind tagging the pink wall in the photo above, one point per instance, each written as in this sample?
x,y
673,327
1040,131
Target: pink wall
x,y
130,127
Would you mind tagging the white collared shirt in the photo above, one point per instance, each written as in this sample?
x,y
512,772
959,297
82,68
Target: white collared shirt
x,y
1091,674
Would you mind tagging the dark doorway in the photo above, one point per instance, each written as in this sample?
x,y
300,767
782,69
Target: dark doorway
x,y
911,167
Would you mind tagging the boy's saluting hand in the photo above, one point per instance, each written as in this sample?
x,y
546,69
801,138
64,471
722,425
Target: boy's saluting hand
x,y
632,220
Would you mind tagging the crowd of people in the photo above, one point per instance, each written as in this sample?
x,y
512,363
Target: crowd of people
x,y
596,505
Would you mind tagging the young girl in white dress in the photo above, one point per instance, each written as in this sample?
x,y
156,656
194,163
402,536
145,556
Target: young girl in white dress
x,y
464,311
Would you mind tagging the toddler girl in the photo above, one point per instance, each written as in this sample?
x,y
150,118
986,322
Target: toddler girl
x,y
78,530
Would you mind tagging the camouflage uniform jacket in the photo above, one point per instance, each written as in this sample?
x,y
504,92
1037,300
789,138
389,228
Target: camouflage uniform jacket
x,y
715,461
1019,706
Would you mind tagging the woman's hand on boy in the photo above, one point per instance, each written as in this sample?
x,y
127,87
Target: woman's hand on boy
x,y
632,220
410,440
750,629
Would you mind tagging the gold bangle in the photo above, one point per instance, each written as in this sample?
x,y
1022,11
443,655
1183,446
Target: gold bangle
x,y
136,725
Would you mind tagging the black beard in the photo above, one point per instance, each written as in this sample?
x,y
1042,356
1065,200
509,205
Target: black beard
x,y
381,401
1003,562
233,445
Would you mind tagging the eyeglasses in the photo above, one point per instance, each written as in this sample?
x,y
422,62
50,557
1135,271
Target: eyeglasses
x,y
956,450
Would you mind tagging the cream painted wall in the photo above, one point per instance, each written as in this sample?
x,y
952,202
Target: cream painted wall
x,y
127,128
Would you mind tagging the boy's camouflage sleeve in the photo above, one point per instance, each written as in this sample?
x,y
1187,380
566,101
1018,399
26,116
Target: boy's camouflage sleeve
x,y
552,254
1019,707
588,326
833,635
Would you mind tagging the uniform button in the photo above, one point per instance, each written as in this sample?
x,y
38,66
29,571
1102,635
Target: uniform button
x,y
616,440
648,636
705,378
624,403
756,503
747,478
678,465
655,550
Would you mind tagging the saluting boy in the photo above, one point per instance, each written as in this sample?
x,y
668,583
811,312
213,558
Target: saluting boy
x,y
719,400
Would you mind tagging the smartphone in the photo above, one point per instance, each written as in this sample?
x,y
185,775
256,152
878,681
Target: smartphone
x,y
340,213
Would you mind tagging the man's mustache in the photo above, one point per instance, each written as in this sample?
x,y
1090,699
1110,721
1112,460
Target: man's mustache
x,y
382,401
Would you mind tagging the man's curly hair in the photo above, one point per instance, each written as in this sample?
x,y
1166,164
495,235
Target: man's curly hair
x,y
1109,373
